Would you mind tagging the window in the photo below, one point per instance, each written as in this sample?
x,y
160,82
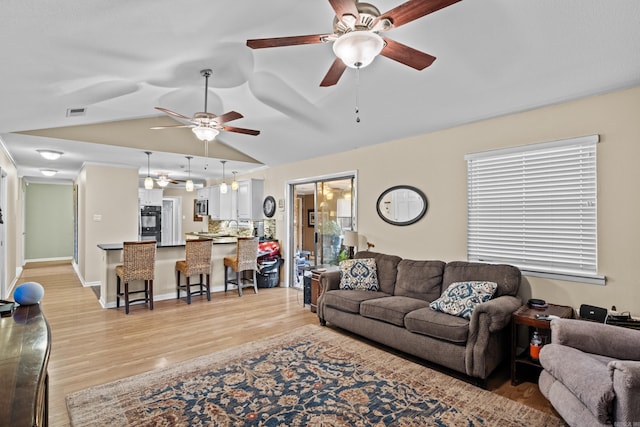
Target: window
x,y
535,207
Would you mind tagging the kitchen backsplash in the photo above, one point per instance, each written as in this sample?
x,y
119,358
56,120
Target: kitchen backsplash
x,y
242,228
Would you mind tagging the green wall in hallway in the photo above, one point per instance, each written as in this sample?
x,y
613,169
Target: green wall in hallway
x,y
48,221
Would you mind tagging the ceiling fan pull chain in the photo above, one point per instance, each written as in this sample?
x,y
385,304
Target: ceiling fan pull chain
x,y
357,94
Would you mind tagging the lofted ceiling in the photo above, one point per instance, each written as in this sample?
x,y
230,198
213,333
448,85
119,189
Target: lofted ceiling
x,y
118,60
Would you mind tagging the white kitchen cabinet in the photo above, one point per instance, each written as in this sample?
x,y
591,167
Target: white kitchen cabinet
x,y
249,199
203,193
221,206
151,197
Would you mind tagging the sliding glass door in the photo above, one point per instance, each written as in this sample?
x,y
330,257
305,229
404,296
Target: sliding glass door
x,y
323,209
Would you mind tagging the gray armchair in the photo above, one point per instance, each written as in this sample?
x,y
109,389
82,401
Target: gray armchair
x,y
591,373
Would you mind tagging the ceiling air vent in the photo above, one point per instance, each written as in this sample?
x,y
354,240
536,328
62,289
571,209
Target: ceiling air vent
x,y
75,112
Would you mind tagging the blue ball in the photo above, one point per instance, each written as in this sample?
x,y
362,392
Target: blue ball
x,y
28,293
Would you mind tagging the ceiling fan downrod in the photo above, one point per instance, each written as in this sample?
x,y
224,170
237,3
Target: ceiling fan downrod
x,y
206,74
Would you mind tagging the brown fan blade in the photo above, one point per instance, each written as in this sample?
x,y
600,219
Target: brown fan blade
x,y
335,72
286,41
345,7
241,130
406,55
412,10
173,113
171,127
227,117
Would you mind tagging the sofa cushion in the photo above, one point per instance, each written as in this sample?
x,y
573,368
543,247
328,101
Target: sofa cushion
x,y
461,298
506,276
427,321
419,279
359,274
391,309
387,266
585,376
349,300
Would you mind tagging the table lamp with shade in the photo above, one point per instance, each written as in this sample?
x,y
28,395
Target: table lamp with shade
x,y
350,241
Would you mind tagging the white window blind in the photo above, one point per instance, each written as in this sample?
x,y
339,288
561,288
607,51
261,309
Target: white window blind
x,y
535,207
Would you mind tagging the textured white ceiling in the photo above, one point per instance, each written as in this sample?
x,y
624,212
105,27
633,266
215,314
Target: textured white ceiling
x,y
119,59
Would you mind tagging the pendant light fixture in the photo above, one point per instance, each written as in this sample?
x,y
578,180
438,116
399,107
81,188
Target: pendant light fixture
x,y
189,184
223,186
234,183
148,181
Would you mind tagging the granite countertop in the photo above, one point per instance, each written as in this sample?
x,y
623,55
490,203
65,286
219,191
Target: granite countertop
x,y
118,246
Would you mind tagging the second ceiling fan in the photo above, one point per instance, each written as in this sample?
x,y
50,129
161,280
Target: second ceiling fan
x,y
355,37
206,126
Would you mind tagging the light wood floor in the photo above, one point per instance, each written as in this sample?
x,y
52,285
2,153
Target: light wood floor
x,y
92,345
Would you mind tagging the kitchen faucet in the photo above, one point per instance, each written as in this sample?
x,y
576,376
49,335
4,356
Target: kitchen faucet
x,y
237,225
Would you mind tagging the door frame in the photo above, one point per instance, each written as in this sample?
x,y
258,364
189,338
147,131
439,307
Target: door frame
x,y
289,211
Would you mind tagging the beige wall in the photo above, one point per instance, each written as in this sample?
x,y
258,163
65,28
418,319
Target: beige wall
x,y
435,164
108,213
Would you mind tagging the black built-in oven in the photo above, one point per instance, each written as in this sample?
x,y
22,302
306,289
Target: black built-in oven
x,y
151,223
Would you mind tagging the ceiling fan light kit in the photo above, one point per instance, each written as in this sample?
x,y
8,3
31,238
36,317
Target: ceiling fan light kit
x,y
357,49
205,133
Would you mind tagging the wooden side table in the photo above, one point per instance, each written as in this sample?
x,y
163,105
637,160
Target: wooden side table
x,y
527,316
316,289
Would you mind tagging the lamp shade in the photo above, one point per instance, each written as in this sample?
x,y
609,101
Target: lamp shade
x,y
188,186
223,188
205,133
357,49
350,239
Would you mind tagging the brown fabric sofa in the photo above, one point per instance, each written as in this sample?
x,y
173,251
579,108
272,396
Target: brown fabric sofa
x,y
591,373
399,316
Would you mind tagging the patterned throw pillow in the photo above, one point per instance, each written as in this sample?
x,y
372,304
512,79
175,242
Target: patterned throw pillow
x,y
461,298
359,274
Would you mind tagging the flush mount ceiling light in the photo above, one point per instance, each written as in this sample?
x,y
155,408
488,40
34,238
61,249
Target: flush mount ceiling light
x,y
50,154
148,181
223,186
48,172
189,184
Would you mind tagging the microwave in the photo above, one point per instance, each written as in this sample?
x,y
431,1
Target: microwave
x,y
202,207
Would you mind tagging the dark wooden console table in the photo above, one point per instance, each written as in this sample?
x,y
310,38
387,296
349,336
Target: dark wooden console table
x,y
25,344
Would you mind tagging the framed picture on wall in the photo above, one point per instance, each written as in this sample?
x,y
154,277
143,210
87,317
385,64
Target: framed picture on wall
x,y
311,218
197,218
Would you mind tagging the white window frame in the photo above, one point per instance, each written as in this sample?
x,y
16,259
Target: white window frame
x,y
535,207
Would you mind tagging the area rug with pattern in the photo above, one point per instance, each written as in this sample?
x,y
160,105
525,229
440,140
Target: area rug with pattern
x,y
311,376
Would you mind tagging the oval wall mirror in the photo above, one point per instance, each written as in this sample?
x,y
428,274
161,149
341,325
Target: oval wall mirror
x,y
402,205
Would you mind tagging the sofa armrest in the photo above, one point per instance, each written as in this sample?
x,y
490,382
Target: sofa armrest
x,y
597,338
329,280
485,348
626,385
498,312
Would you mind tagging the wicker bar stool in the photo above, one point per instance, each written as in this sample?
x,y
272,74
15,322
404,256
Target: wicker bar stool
x,y
197,261
246,259
138,263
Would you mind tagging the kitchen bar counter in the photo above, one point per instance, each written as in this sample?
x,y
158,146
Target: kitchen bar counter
x,y
164,284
